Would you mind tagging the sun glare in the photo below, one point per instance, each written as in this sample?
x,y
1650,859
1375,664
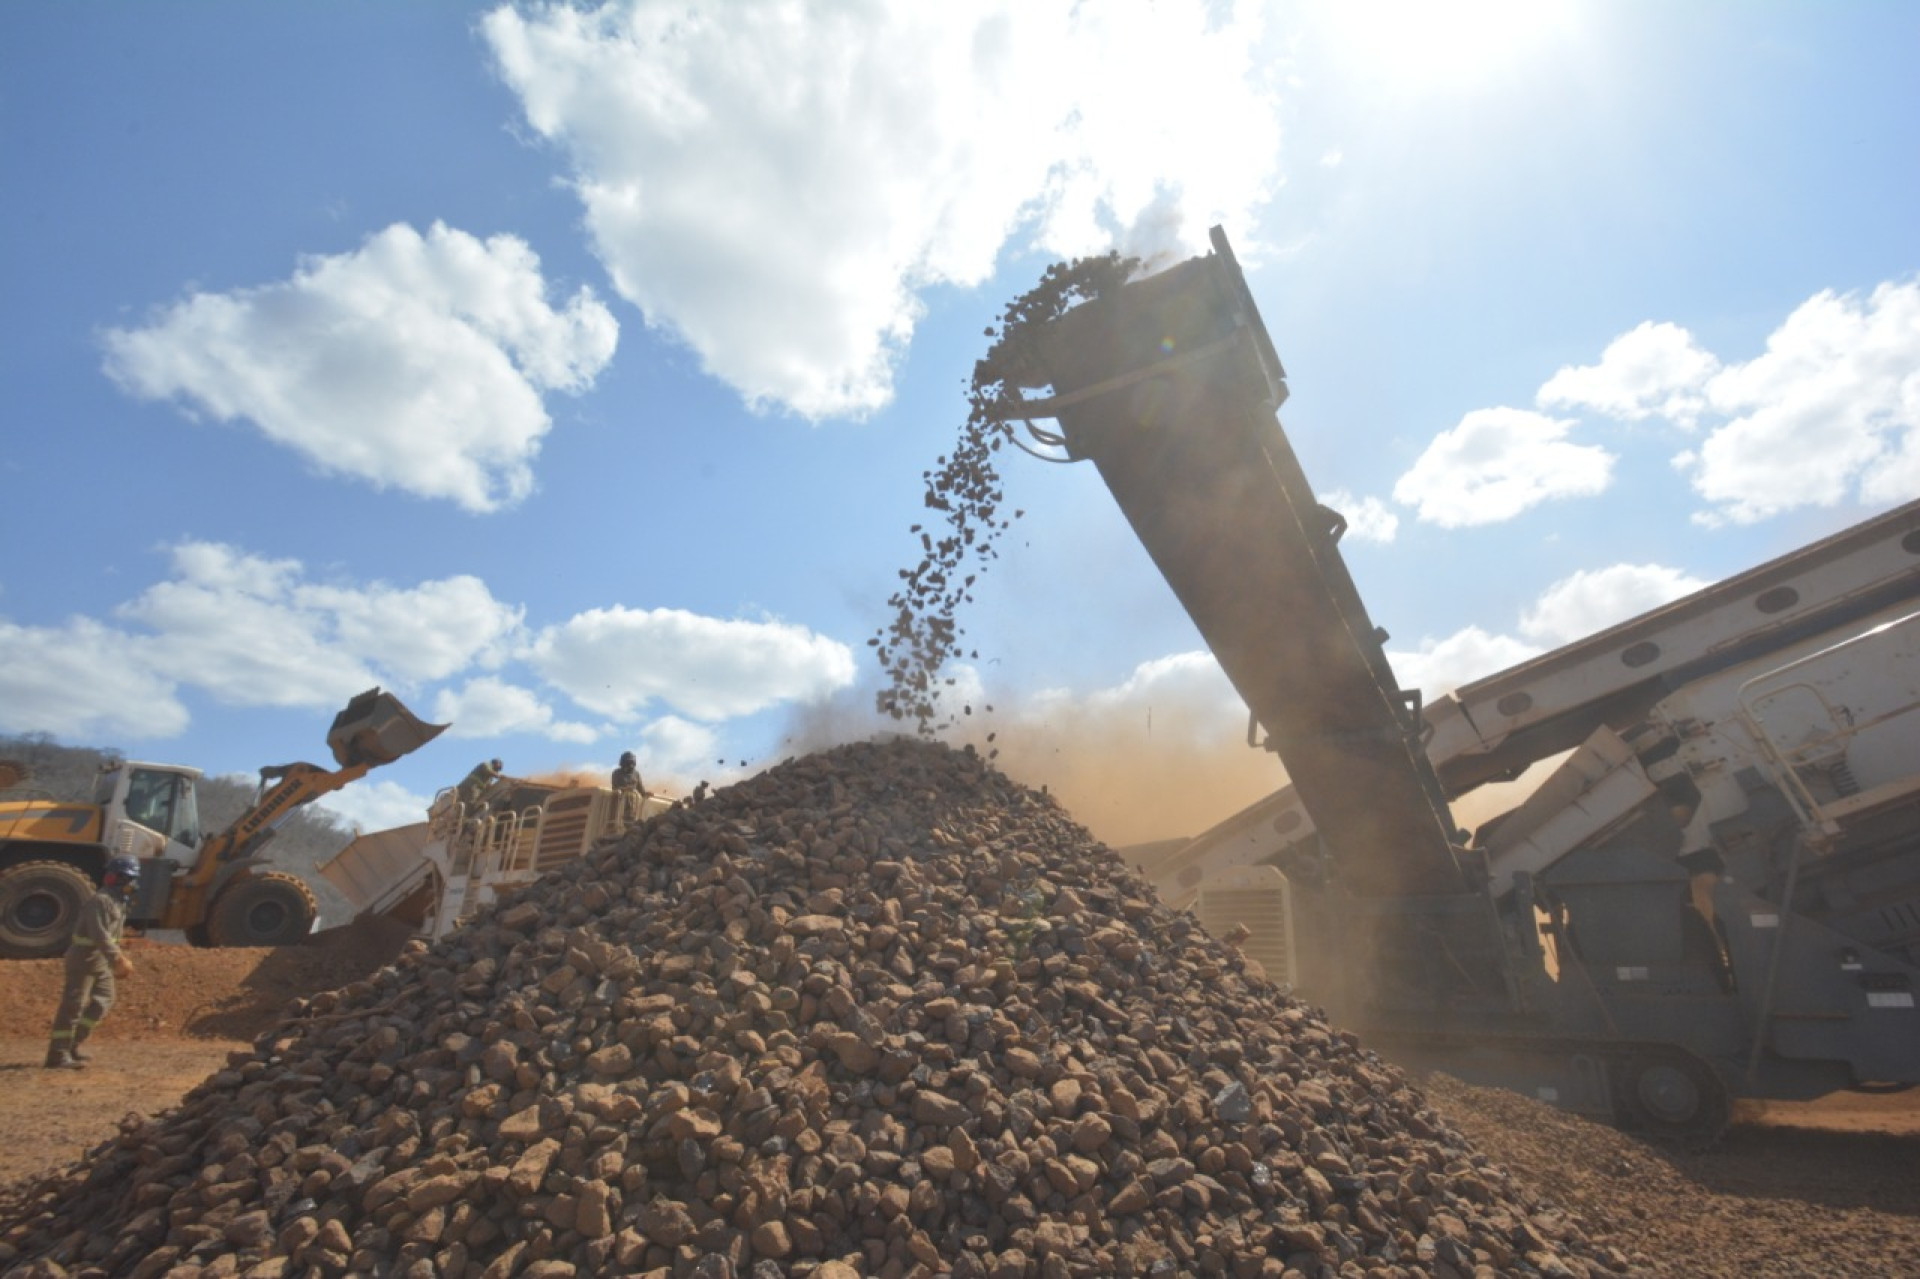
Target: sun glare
x,y
1422,45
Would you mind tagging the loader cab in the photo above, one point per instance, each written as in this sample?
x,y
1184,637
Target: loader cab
x,y
152,811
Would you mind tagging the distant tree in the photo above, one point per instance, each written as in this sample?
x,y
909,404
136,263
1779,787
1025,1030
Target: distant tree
x,y
53,771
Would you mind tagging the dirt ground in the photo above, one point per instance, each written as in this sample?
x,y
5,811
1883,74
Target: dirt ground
x,y
1830,1188
173,1023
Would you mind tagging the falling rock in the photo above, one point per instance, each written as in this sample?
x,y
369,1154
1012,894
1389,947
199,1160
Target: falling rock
x,y
530,1169
250,1230
966,1155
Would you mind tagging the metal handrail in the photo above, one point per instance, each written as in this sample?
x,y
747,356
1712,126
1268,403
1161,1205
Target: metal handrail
x,y
1784,763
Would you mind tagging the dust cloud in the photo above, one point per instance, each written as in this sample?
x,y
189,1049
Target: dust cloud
x,y
1477,807
570,777
849,716
1131,774
1129,785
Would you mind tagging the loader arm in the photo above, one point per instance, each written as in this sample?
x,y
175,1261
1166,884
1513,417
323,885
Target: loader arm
x,y
285,789
373,729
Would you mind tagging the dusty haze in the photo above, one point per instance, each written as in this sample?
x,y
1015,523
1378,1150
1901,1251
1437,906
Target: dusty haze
x,y
1131,774
1127,775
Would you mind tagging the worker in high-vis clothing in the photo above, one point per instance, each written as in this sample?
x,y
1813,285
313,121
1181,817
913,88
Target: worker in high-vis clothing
x,y
627,776
94,960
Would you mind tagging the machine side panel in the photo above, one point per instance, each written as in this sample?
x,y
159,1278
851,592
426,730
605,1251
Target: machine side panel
x,y
1498,725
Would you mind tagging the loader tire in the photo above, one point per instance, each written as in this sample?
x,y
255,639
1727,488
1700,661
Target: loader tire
x,y
39,904
268,909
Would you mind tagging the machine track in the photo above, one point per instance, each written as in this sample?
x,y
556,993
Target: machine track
x,y
1660,1090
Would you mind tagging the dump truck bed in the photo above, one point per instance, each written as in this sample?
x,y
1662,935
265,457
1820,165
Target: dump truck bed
x,y
378,871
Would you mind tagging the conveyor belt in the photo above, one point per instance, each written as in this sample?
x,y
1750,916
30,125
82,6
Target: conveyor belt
x,y
1170,387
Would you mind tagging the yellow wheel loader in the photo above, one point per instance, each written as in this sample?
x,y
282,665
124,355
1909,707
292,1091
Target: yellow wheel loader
x,y
215,887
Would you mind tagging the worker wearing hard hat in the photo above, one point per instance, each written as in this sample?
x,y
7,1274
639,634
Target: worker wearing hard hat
x,y
94,959
479,781
627,776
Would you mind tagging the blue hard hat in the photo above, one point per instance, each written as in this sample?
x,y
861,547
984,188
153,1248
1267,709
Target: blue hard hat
x,y
123,867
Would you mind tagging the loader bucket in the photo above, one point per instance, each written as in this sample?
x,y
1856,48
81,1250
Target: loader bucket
x,y
376,729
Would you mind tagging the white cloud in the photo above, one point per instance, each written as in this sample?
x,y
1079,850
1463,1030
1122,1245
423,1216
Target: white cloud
x,y
227,623
491,707
1368,518
616,662
674,755
1406,51
248,630
83,681
1497,463
679,749
1653,369
774,183
1571,609
1830,411
1183,695
253,632
218,567
414,362
1896,476
1440,666
426,632
1587,602
373,804
1161,753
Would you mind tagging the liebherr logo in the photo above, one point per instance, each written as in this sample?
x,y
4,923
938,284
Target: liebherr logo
x,y
265,815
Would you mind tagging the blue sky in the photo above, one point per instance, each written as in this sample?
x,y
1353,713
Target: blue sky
x,y
571,370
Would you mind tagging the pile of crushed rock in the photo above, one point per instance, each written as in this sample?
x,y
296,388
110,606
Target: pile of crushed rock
x,y
878,1011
